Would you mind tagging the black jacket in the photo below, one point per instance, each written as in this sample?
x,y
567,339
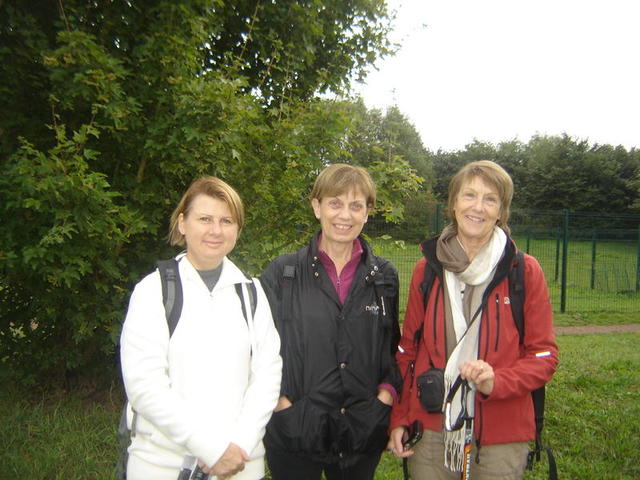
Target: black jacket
x,y
334,356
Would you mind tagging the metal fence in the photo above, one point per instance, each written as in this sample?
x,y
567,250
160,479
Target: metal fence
x,y
591,261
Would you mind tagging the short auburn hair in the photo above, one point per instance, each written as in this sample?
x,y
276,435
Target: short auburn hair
x,y
341,178
494,175
213,187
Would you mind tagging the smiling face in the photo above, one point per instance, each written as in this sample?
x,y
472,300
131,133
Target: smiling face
x,y
209,230
342,217
477,209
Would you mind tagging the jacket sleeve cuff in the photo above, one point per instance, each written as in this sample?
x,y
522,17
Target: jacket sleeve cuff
x,y
207,447
391,389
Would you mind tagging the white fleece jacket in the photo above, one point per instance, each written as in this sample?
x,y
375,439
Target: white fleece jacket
x,y
217,379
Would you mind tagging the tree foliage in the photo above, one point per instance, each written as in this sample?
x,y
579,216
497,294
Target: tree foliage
x,y
110,110
390,147
555,173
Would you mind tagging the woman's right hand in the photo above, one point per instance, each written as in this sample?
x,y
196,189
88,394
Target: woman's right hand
x,y
231,462
283,402
396,438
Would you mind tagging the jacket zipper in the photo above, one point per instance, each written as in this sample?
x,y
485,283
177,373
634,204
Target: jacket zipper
x,y
497,322
485,316
435,323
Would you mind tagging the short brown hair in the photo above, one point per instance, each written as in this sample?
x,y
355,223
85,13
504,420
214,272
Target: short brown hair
x,y
341,178
213,187
494,175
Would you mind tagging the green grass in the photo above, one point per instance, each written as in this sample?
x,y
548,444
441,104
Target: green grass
x,y
593,421
61,435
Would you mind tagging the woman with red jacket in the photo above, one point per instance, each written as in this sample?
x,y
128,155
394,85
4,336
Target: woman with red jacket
x,y
467,336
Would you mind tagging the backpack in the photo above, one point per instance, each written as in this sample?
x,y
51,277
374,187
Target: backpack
x,y
172,300
517,295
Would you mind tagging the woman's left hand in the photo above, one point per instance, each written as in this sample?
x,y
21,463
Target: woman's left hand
x,y
385,396
480,373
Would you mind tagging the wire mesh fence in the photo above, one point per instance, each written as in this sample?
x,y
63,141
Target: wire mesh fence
x,y
591,261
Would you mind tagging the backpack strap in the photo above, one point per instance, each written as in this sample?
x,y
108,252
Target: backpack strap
x,y
124,438
171,291
538,408
517,293
288,274
427,283
253,295
425,287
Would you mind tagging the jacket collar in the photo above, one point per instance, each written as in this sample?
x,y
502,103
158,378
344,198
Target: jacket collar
x,y
230,274
428,248
371,261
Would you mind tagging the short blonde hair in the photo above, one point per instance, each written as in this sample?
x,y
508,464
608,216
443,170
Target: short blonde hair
x,y
341,178
494,175
213,187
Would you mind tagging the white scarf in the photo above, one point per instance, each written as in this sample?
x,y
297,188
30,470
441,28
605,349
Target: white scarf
x,y
480,271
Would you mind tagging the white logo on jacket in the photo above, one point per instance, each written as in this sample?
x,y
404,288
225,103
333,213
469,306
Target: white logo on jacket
x,y
372,308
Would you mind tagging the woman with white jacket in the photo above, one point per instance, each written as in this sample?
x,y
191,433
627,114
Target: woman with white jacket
x,y
208,390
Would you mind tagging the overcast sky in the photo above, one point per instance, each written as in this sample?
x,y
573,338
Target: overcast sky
x,y
496,70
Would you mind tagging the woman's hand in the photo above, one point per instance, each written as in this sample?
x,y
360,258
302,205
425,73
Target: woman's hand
x,y
385,396
480,373
396,438
231,462
283,402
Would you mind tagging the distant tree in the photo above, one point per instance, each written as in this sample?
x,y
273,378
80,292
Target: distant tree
x,y
446,164
566,173
554,173
390,147
404,140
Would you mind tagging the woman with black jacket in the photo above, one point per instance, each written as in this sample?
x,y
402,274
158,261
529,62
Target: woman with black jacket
x,y
335,305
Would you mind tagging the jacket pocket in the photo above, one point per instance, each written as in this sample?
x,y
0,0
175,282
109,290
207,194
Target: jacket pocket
x,y
368,423
303,427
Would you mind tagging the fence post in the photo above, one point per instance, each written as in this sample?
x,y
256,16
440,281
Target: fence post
x,y
436,219
638,263
565,248
557,269
593,259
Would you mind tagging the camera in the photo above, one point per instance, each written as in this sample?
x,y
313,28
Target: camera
x,y
431,389
190,470
415,434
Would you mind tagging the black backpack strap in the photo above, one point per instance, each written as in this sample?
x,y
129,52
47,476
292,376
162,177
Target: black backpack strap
x,y
427,283
517,292
253,296
171,291
538,409
551,460
288,274
124,438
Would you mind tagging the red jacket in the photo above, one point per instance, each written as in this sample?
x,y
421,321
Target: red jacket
x,y
506,415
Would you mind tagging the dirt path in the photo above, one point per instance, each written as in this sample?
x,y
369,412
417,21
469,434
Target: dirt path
x,y
589,329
